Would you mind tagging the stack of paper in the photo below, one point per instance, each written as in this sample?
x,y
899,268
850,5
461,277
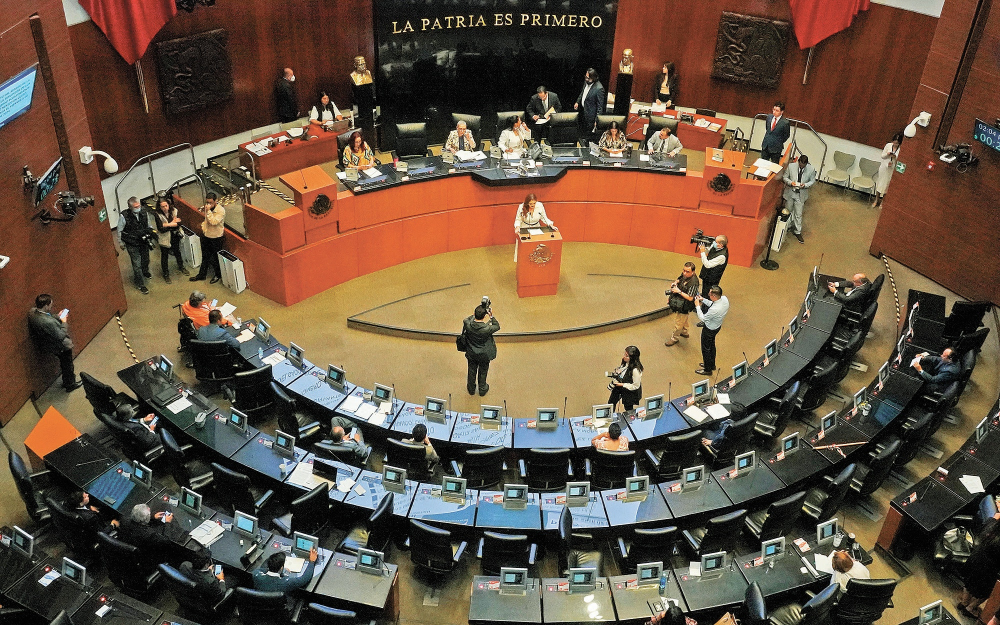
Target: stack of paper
x,y
824,564
293,564
696,413
352,403
714,127
179,404
227,309
658,108
717,411
723,398
207,532
244,336
372,172
701,123
274,358
972,483
365,411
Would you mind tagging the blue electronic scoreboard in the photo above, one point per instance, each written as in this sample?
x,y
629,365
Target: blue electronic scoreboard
x,y
986,134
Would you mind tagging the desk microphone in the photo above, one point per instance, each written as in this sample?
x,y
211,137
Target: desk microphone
x,y
565,400
669,386
392,404
303,176
749,368
449,405
505,408
779,337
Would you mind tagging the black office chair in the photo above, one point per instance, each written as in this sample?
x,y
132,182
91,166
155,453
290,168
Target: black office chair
x,y
869,475
949,555
816,386
374,533
845,328
498,550
844,354
773,417
316,614
705,112
127,570
233,492
576,549
74,533
657,123
817,611
191,602
432,550
604,122
213,361
250,392
481,468
965,318
503,122
16,617
194,474
968,361
973,341
411,140
681,451
563,129
911,436
473,122
302,426
736,441
546,469
721,534
260,607
864,601
942,404
308,513
610,469
33,487
409,456
186,332
329,451
146,448
776,520
646,545
103,398
822,502
754,610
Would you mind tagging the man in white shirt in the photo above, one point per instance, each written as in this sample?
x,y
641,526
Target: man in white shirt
x,y
711,315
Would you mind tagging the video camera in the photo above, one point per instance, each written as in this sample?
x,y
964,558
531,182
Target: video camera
x,y
959,154
699,238
69,203
487,304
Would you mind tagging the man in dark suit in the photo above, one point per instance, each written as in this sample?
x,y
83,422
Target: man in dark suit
x,y
288,102
276,579
937,371
851,294
151,541
480,347
208,585
215,332
79,503
775,134
590,103
538,108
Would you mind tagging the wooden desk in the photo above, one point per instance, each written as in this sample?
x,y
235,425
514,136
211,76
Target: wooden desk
x,y
539,257
50,433
691,136
306,184
297,154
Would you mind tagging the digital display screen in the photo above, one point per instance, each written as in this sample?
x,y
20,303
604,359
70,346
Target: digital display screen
x,y
282,441
23,541
368,560
647,573
302,543
577,491
930,614
383,393
295,353
883,372
982,429
546,415
602,412
16,94
793,325
452,486
982,132
826,530
138,472
693,476
770,550
581,578
237,418
245,523
335,374
740,371
713,563
392,476
191,500
744,461
654,403
74,572
48,181
789,443
829,421
635,486
515,493
771,349
491,414
434,405
166,366
701,388
263,330
512,578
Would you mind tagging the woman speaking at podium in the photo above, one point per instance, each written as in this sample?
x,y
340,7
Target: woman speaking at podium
x,y
530,214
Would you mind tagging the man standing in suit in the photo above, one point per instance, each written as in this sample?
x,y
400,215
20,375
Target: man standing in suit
x,y
51,334
288,102
480,347
538,108
208,585
776,133
276,579
592,100
850,294
799,176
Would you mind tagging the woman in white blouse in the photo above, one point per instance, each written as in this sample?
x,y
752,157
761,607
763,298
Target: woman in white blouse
x,y
515,138
890,154
530,214
325,111
626,380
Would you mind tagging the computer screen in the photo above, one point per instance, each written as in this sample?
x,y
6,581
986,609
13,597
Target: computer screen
x,y
16,94
245,524
548,414
740,371
392,475
637,484
48,181
825,531
790,443
930,614
238,419
263,330
772,548
382,392
76,573
23,541
602,411
828,422
982,429
654,403
434,405
649,571
793,325
295,354
815,276
512,577
141,474
490,413
335,375
581,576
745,461
700,390
166,367
284,444
453,485
693,475
368,559
578,489
883,373
712,562
859,398
515,492
190,501
771,349
303,543
808,300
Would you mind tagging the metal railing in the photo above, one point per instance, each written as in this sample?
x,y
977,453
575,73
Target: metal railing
x,y
148,160
795,123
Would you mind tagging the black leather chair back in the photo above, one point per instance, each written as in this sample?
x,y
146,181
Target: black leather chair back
x,y
722,532
754,608
913,436
61,619
99,394
972,341
782,515
253,394
174,456
604,122
232,490
409,456
736,441
22,478
483,468
576,549
818,384
186,332
504,550
311,512
681,451
213,361
563,129
342,140
771,421
339,454
656,123
612,468
547,469
430,548
411,140
503,122
285,407
836,491
819,609
127,570
185,591
877,288
71,528
380,524
653,544
258,606
864,601
879,468
317,614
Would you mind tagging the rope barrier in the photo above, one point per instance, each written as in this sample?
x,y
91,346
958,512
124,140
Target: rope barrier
x,y
128,346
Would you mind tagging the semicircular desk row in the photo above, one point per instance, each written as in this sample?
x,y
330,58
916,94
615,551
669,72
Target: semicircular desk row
x,y
774,476
301,250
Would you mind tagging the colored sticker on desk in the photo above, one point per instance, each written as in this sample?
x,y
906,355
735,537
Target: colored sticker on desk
x,y
532,423
821,435
758,561
733,473
640,413
913,497
498,498
632,583
474,419
620,496
560,499
563,586
418,410
801,544
493,585
675,488
780,456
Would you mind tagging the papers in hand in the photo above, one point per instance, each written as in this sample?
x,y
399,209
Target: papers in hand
x,y
972,483
542,120
227,309
293,564
179,404
824,564
717,411
352,403
697,414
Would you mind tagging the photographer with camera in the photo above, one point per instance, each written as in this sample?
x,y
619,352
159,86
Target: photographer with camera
x,y
213,229
135,236
626,383
714,258
681,296
480,348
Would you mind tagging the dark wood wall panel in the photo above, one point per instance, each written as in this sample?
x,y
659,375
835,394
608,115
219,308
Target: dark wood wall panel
x,y
61,259
861,81
318,39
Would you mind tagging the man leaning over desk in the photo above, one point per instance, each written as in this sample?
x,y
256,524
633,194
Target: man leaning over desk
x,y
540,107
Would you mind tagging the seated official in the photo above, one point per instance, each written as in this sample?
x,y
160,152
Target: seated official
x,y
664,142
357,153
515,138
672,616
420,437
274,578
151,541
852,293
325,111
612,440
937,371
353,442
142,429
207,584
196,309
846,568
613,141
215,332
79,503
713,435
460,139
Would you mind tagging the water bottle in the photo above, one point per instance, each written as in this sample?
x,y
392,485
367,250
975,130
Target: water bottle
x,y
260,353
663,583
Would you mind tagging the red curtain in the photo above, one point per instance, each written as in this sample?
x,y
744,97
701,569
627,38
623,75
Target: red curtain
x,y
130,24
815,20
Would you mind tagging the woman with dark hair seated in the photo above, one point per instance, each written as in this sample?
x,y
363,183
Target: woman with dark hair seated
x,y
357,153
325,111
672,616
613,141
515,138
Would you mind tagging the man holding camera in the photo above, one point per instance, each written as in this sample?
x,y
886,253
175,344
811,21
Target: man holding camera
x,y
480,348
681,296
134,236
212,229
714,258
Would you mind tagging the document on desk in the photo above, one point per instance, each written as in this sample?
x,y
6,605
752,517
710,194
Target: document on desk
x,y
342,175
695,569
345,485
763,163
244,336
535,231
274,358
717,411
658,108
365,411
178,405
701,123
723,398
378,418
207,533
824,564
372,172
644,158
972,483
227,309
696,413
352,403
293,564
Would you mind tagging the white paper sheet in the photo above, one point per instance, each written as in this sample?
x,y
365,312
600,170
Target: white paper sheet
x,y
365,411
824,564
274,359
658,108
244,336
342,175
695,569
535,231
377,419
179,404
352,403
293,564
696,413
644,158
227,309
717,411
345,485
385,407
973,483
722,397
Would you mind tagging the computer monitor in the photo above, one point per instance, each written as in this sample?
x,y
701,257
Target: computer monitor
x,y
772,549
771,349
336,377
238,419
654,405
245,525
47,181
701,391
636,488
513,580
577,493
190,501
23,542
382,393
302,544
489,417
263,330
284,444
815,277
75,573
295,354
740,372
793,326
930,614
515,496
547,418
828,422
453,488
141,475
745,463
790,443
165,367
883,373
859,398
434,410
825,531
582,579
394,479
713,563
601,412
649,573
982,429
807,302
370,561
692,477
